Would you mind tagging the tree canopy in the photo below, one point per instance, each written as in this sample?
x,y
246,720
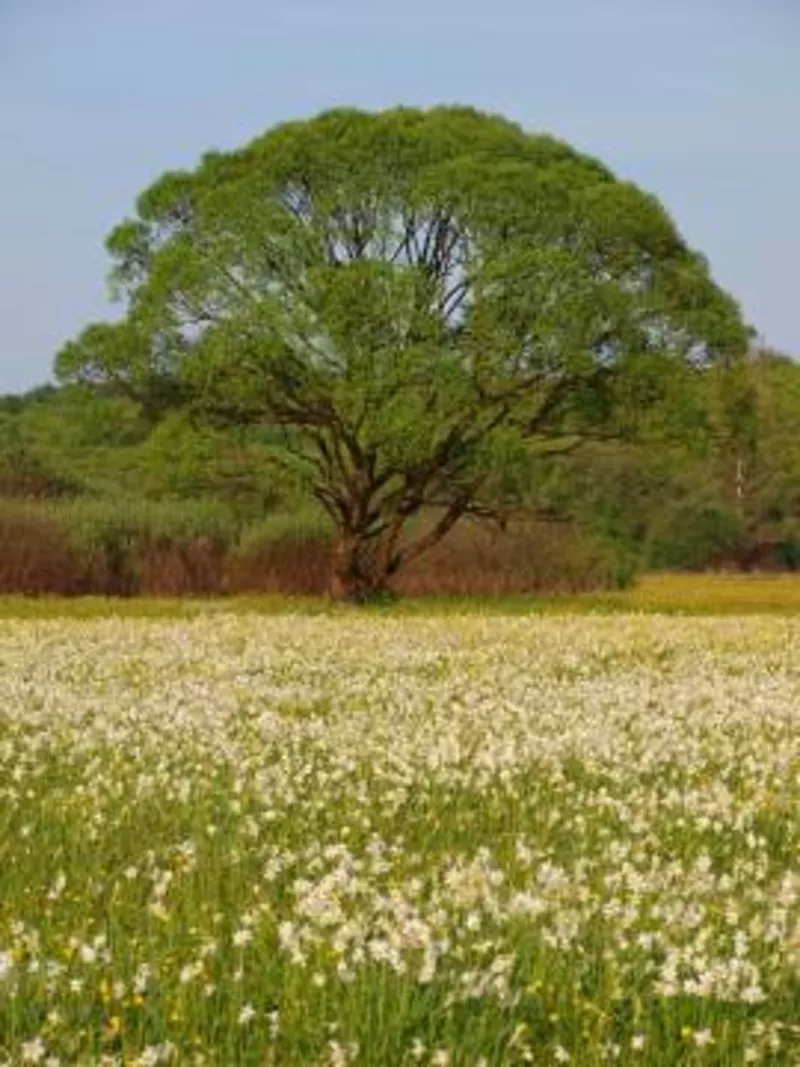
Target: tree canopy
x,y
416,300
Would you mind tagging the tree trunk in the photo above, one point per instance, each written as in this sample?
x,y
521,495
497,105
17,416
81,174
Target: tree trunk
x,y
357,573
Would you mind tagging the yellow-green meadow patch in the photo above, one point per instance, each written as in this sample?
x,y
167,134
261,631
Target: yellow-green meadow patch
x,y
655,593
307,840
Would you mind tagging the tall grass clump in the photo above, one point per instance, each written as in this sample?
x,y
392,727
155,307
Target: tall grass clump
x,y
285,552
179,547
113,547
37,556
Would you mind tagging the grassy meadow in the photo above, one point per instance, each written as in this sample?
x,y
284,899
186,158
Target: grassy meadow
x,y
662,593
268,832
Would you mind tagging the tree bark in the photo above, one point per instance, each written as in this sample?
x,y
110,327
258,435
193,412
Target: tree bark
x,y
357,574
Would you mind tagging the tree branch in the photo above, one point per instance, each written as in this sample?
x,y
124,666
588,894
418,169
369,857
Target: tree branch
x,y
435,534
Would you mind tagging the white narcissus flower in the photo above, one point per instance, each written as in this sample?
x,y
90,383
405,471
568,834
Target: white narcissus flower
x,y
406,788
703,1038
33,1051
246,1015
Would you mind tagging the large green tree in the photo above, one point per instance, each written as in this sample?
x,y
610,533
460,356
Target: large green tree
x,y
417,299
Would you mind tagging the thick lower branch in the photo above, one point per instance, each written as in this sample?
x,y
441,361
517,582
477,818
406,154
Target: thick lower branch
x,y
435,534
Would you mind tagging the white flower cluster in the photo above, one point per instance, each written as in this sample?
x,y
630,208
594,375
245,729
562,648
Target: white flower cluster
x,y
389,841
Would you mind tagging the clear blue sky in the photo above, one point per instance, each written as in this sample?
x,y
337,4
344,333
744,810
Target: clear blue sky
x,y
697,100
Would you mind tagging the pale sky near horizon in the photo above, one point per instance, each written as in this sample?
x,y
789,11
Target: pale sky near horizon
x,y
696,100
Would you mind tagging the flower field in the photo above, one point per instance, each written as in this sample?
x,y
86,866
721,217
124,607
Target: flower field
x,y
391,841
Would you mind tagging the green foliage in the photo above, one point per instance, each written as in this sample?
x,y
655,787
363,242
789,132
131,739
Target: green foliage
x,y
80,439
24,469
124,522
121,527
789,552
695,534
308,524
410,296
184,458
772,474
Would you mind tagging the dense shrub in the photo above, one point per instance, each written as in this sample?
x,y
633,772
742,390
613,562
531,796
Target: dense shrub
x,y
32,480
99,522
694,536
789,553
